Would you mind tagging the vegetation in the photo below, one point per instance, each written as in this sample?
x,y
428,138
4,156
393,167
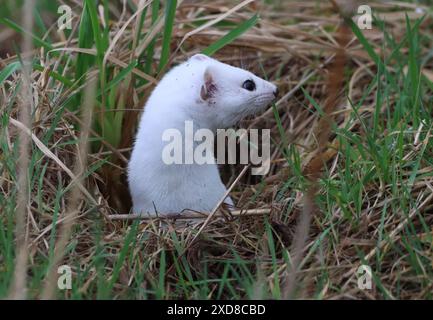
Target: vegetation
x,y
373,202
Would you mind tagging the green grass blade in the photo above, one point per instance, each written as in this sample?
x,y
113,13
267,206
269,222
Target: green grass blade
x,y
39,42
170,14
231,36
8,70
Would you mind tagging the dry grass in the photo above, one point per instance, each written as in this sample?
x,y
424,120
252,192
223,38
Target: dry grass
x,y
363,212
18,289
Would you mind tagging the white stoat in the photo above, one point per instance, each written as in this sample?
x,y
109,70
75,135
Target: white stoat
x,y
212,95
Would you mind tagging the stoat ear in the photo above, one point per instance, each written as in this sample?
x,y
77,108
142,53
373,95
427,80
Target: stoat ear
x,y
208,87
200,57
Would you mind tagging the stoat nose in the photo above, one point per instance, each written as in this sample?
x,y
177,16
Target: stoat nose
x,y
276,92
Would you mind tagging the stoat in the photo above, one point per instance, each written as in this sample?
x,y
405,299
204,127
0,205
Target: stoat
x,y
211,95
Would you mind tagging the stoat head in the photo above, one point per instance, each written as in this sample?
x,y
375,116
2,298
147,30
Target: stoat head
x,y
228,94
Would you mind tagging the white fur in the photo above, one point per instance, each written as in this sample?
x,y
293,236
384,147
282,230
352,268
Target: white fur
x,y
177,98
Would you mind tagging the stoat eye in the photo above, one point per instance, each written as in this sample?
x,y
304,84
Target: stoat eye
x,y
249,85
